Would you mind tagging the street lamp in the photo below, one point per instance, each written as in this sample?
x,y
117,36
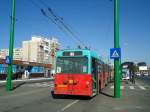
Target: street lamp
x,y
116,45
11,46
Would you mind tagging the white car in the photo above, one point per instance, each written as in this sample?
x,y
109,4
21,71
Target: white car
x,y
125,76
138,74
146,74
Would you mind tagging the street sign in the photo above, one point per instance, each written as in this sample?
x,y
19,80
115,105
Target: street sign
x,y
7,60
115,53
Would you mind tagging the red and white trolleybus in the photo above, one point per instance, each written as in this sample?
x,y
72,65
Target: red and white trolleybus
x,y
80,72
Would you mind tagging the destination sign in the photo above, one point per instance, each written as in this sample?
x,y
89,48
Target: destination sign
x,y
72,53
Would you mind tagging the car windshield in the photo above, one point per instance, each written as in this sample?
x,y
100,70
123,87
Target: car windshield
x,y
72,65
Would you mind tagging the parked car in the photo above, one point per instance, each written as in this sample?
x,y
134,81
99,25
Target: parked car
x,y
125,76
138,74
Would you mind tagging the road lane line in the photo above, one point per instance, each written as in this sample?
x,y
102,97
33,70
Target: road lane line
x,y
131,87
69,105
141,87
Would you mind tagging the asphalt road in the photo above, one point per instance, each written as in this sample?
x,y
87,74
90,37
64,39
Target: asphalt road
x,y
36,97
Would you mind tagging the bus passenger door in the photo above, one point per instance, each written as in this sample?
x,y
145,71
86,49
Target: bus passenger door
x,y
94,76
99,76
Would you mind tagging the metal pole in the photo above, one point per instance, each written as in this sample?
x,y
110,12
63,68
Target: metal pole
x,y
11,46
116,45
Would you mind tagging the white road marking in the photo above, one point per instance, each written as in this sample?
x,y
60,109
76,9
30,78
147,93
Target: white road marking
x,y
141,87
112,87
27,80
69,105
121,87
131,87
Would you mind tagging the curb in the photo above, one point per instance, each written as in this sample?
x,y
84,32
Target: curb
x,y
35,80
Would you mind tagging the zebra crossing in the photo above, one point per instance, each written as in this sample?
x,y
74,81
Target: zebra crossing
x,y
131,87
135,87
122,87
141,87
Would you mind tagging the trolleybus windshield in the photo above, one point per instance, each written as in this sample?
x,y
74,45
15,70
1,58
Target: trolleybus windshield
x,y
72,65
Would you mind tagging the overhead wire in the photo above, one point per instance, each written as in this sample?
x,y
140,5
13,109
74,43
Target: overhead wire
x,y
45,14
55,14
50,17
65,27
34,3
61,21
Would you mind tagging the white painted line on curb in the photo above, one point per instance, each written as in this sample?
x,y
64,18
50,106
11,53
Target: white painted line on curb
x,y
26,80
69,105
131,87
141,87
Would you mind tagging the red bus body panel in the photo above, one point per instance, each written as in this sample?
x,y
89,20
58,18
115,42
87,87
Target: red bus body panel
x,y
73,84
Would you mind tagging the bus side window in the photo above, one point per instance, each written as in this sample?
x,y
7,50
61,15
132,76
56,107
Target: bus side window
x,y
93,66
84,69
99,69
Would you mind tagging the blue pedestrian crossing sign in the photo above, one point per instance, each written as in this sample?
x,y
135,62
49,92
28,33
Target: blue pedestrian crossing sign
x,y
115,53
7,60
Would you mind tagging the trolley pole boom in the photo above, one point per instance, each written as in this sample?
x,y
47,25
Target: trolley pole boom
x,y
116,45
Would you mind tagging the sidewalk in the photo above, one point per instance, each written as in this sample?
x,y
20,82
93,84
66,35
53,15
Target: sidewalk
x,y
32,80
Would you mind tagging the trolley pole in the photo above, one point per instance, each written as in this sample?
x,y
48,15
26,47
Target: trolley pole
x,y
11,46
116,45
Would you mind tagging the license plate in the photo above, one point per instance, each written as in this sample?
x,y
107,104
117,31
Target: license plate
x,y
70,81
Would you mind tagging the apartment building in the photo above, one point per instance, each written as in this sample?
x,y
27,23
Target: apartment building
x,y
40,49
17,53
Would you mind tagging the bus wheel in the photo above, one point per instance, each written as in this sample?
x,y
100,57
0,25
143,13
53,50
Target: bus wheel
x,y
54,95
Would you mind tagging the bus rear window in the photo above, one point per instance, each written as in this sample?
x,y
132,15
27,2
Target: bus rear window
x,y
72,65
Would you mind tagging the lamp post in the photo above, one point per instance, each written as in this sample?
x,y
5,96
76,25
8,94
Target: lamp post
x,y
116,45
11,46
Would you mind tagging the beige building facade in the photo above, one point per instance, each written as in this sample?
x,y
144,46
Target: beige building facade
x,y
17,53
40,49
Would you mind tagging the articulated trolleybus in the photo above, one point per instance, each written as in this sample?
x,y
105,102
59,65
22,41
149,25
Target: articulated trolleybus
x,y
80,72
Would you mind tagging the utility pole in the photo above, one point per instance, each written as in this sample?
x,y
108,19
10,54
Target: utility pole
x,y
116,45
11,46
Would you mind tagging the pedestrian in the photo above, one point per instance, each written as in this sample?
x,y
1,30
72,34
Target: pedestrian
x,y
52,75
133,79
17,73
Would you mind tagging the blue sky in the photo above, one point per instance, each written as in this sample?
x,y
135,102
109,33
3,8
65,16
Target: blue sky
x,y
92,21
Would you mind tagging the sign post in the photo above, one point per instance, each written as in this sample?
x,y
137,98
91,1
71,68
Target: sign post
x,y
115,53
11,46
7,60
116,45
